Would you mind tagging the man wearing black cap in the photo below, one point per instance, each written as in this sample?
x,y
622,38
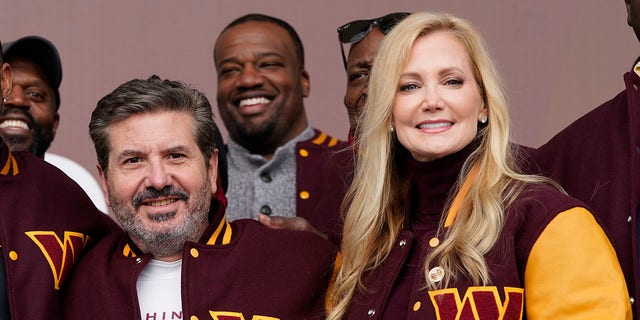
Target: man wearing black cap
x,y
46,223
30,118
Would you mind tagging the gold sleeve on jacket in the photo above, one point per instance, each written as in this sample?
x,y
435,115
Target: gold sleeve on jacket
x,y
573,273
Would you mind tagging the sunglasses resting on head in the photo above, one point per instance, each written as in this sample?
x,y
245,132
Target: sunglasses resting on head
x,y
355,31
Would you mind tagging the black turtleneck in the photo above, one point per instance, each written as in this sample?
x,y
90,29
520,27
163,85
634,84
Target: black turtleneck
x,y
431,185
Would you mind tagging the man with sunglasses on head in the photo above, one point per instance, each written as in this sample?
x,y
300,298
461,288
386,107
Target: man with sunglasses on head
x,y
278,164
365,37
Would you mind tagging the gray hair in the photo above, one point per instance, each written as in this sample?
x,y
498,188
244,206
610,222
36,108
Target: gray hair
x,y
151,95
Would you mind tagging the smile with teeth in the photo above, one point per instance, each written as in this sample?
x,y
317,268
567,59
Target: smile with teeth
x,y
161,202
434,125
14,123
253,101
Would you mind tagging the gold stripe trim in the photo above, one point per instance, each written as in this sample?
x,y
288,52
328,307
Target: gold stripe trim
x,y
455,206
216,233
127,252
7,165
320,139
227,234
15,165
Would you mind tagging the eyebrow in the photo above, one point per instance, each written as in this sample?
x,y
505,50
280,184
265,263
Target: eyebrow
x,y
440,72
128,153
178,148
259,55
410,75
363,64
135,153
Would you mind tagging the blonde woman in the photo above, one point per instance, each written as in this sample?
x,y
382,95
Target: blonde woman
x,y
440,223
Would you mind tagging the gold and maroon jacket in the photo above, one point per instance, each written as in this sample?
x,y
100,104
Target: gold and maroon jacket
x,y
46,223
238,270
551,260
597,160
324,167
542,267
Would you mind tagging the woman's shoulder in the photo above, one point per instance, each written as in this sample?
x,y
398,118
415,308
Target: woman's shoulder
x,y
536,208
544,198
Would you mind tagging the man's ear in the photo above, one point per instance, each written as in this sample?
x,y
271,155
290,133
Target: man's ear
x,y
103,184
305,82
213,171
56,122
5,79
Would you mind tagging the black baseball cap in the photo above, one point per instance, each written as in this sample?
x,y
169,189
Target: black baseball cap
x,y
43,53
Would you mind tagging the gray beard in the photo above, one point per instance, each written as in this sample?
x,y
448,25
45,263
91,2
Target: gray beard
x,y
171,242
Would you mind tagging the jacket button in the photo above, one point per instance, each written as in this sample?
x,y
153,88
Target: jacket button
x,y
13,255
371,313
194,252
138,260
304,153
193,318
629,219
265,177
265,210
434,242
632,300
304,195
402,243
416,306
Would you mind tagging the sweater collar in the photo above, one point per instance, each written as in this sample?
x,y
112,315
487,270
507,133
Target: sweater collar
x,y
432,184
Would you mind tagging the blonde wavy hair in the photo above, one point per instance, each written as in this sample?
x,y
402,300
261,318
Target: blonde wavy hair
x,y
375,201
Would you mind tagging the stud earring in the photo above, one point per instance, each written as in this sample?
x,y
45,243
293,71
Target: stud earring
x,y
391,128
5,99
483,119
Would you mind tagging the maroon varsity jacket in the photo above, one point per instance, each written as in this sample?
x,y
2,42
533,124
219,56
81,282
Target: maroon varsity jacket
x,y
597,160
238,270
324,169
551,261
46,223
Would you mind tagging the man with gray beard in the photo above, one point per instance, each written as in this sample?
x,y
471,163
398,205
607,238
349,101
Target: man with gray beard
x,y
178,258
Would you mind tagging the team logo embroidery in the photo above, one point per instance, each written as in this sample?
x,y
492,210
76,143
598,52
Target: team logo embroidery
x,y
226,315
60,254
478,303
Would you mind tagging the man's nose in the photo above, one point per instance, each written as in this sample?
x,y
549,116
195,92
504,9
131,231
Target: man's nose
x,y
249,77
158,176
16,98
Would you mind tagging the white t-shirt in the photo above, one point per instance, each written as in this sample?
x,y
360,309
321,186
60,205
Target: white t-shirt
x,y
159,290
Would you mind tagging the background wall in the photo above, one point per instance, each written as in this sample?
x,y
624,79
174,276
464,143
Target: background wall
x,y
559,59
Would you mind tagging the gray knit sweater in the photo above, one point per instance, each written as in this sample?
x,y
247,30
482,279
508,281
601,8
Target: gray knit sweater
x,y
260,185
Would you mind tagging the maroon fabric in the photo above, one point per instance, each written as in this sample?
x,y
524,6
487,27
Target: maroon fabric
x,y
596,159
46,223
386,290
261,272
324,173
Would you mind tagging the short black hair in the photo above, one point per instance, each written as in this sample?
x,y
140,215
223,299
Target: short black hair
x,y
258,17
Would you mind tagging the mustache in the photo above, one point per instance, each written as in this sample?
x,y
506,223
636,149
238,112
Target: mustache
x,y
151,193
8,109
